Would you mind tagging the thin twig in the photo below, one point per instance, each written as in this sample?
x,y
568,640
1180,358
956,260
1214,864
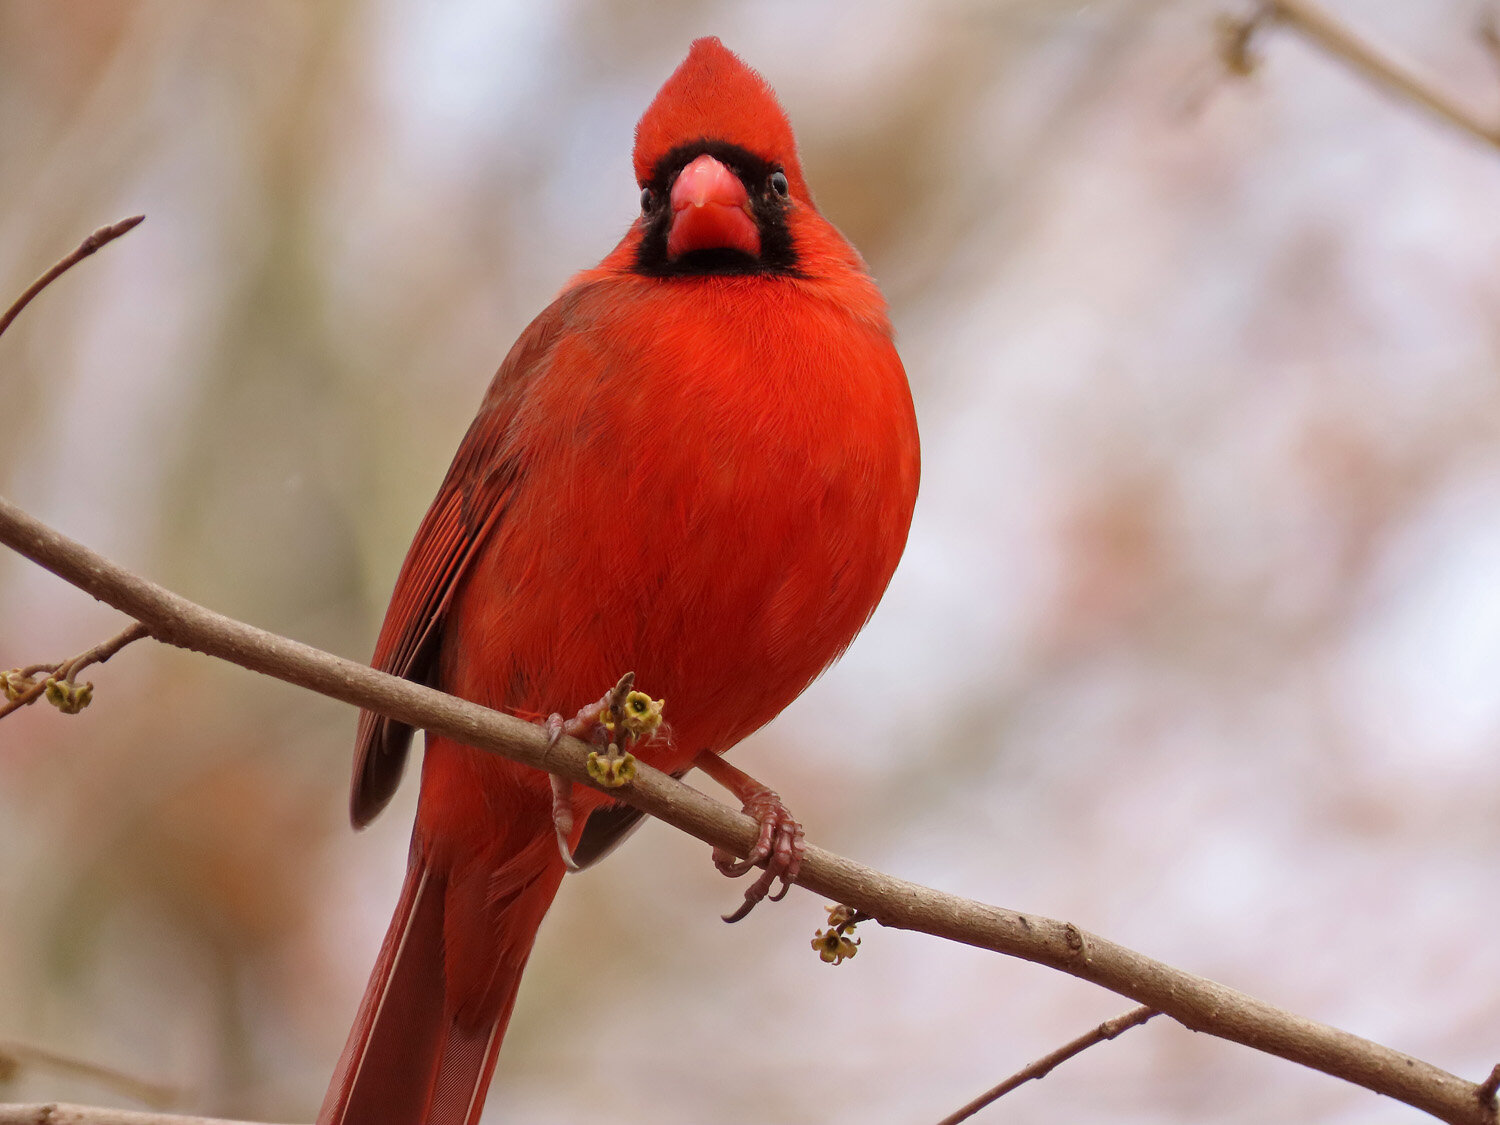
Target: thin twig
x,y
57,1113
1197,1003
1489,38
25,699
15,1056
1489,1088
1044,1065
69,668
1327,32
101,237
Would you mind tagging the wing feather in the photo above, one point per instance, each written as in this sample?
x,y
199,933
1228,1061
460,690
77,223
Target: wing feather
x,y
473,499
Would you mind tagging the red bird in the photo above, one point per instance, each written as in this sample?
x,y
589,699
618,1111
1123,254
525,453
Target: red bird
x,y
699,464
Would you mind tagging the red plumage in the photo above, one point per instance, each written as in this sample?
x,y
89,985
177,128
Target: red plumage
x,y
697,467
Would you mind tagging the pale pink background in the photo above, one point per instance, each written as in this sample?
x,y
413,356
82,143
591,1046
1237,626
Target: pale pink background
x,y
1196,644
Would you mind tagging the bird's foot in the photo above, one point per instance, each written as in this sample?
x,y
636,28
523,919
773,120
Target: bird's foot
x,y
617,720
589,724
779,846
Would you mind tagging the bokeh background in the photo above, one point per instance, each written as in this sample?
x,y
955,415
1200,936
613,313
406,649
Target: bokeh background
x,y
1196,644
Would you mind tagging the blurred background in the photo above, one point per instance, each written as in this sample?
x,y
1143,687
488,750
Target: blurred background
x,y
1196,643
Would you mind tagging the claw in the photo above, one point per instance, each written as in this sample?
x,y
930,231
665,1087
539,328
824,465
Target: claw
x,y
562,817
779,846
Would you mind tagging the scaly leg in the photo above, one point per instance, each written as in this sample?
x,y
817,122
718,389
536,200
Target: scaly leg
x,y
779,846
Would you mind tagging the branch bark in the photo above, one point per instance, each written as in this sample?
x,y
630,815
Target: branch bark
x,y
1195,1002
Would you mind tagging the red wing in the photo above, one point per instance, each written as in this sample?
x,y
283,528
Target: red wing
x,y
450,534
472,500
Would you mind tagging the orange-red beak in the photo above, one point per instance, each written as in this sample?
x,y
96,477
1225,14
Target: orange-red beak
x,y
711,211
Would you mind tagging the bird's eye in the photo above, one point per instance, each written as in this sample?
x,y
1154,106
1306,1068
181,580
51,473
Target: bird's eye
x,y
647,199
779,184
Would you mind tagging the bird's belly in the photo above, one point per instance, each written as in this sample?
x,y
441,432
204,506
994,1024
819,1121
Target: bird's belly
x,y
715,502
726,590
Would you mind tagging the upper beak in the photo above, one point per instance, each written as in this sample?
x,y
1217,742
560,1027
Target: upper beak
x,y
711,211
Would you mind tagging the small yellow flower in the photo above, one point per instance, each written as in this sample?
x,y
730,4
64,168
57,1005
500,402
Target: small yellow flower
x,y
13,685
837,943
642,714
611,769
840,916
834,947
68,697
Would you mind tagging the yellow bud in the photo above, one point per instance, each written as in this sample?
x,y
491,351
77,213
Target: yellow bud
x,y
611,770
840,915
13,685
68,697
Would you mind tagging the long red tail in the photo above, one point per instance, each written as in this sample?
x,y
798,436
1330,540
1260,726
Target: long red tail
x,y
424,1043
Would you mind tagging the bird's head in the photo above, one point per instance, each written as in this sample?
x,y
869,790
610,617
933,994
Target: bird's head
x,y
721,186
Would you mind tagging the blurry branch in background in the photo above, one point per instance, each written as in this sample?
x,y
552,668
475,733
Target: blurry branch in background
x,y
16,1057
101,237
56,1113
1195,1002
1326,32
1043,1066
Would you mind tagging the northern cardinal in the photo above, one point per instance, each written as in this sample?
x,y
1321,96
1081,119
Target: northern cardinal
x,y
697,464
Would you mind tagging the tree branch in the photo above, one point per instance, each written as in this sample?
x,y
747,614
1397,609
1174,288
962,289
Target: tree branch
x,y
1193,1001
1044,1066
1326,32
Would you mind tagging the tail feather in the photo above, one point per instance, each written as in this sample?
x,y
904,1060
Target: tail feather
x,y
418,1054
463,1073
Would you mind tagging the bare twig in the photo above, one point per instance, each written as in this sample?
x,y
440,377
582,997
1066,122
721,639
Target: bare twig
x,y
1237,39
16,1056
42,673
57,1113
1045,1065
1489,1088
1327,32
1489,37
1197,1003
101,237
